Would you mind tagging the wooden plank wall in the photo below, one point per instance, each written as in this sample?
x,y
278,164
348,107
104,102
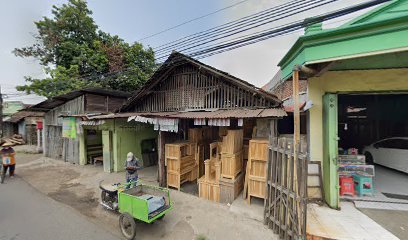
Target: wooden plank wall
x,y
75,106
53,136
98,103
55,146
189,88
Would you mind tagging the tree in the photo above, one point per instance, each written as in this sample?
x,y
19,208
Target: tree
x,y
76,54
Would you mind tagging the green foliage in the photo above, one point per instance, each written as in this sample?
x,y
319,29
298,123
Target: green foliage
x,y
75,54
201,237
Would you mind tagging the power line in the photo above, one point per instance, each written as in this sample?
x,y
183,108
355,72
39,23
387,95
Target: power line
x,y
192,20
257,24
242,22
258,36
284,29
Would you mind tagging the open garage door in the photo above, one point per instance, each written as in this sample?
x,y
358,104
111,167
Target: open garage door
x,y
376,126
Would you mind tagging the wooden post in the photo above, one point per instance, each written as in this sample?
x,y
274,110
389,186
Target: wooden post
x,y
162,167
296,140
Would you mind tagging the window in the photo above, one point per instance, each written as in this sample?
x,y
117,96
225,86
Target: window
x,y
393,143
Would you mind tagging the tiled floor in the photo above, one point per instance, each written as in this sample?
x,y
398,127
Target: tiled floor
x,y
385,181
348,223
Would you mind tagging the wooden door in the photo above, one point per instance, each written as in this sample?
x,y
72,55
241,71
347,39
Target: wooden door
x,y
330,149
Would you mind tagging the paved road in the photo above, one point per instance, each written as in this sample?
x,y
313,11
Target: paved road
x,y
26,214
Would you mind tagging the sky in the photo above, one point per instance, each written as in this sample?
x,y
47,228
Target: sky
x,y
134,20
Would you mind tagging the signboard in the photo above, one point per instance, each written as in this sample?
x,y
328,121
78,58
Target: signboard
x,y
69,127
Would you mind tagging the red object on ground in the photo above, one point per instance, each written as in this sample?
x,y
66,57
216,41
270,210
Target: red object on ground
x,y
39,125
346,185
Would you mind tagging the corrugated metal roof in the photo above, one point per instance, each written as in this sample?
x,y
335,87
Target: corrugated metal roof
x,y
239,113
18,116
54,102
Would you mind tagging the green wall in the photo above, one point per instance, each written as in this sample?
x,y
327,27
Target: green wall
x,y
126,137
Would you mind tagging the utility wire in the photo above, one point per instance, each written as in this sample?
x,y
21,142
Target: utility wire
x,y
237,24
192,20
260,36
285,29
240,30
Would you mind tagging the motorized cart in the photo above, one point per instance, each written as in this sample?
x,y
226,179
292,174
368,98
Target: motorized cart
x,y
140,202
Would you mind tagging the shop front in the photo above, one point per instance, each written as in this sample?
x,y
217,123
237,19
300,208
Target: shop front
x,y
106,141
356,112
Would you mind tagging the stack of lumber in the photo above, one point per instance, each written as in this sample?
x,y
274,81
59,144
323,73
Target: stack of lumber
x,y
255,177
181,163
232,154
16,139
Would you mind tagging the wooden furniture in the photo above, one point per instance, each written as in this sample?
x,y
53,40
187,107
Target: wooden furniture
x,y
180,159
98,159
233,141
209,190
94,151
229,189
256,168
231,165
208,185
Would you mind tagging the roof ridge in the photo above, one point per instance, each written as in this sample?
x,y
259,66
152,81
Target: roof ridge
x,y
371,13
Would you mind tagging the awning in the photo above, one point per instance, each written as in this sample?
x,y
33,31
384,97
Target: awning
x,y
217,114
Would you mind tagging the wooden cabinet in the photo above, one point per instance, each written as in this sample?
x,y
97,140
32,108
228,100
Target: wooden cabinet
x,y
256,169
181,163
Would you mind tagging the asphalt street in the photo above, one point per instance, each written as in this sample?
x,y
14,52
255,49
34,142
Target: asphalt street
x,y
26,214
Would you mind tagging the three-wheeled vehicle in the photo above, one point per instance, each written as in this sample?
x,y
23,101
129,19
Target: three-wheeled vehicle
x,y
135,201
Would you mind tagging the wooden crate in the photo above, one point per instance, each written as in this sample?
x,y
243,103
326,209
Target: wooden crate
x,y
256,170
208,190
229,189
175,179
258,149
215,151
212,170
231,165
233,141
256,188
180,160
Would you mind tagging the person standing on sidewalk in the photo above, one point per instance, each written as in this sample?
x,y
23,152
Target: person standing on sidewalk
x,y
8,159
131,166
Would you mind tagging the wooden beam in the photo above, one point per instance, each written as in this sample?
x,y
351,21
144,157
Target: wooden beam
x,y
296,140
162,167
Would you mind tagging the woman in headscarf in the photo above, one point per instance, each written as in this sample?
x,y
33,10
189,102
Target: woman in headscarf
x,y
131,166
8,159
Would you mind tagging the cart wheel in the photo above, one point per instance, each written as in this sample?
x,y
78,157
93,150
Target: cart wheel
x,y
162,216
127,226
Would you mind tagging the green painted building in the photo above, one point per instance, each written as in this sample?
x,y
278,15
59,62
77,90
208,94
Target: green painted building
x,y
11,107
112,138
362,64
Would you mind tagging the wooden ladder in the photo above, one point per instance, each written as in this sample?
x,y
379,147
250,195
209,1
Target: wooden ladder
x,y
315,191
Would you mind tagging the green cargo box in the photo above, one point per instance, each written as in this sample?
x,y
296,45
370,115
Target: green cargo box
x,y
130,202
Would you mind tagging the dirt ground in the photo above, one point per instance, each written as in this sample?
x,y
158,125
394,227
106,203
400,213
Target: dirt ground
x,y
191,217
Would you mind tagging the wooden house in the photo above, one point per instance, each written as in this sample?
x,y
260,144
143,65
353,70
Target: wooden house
x,y
23,123
59,111
186,100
